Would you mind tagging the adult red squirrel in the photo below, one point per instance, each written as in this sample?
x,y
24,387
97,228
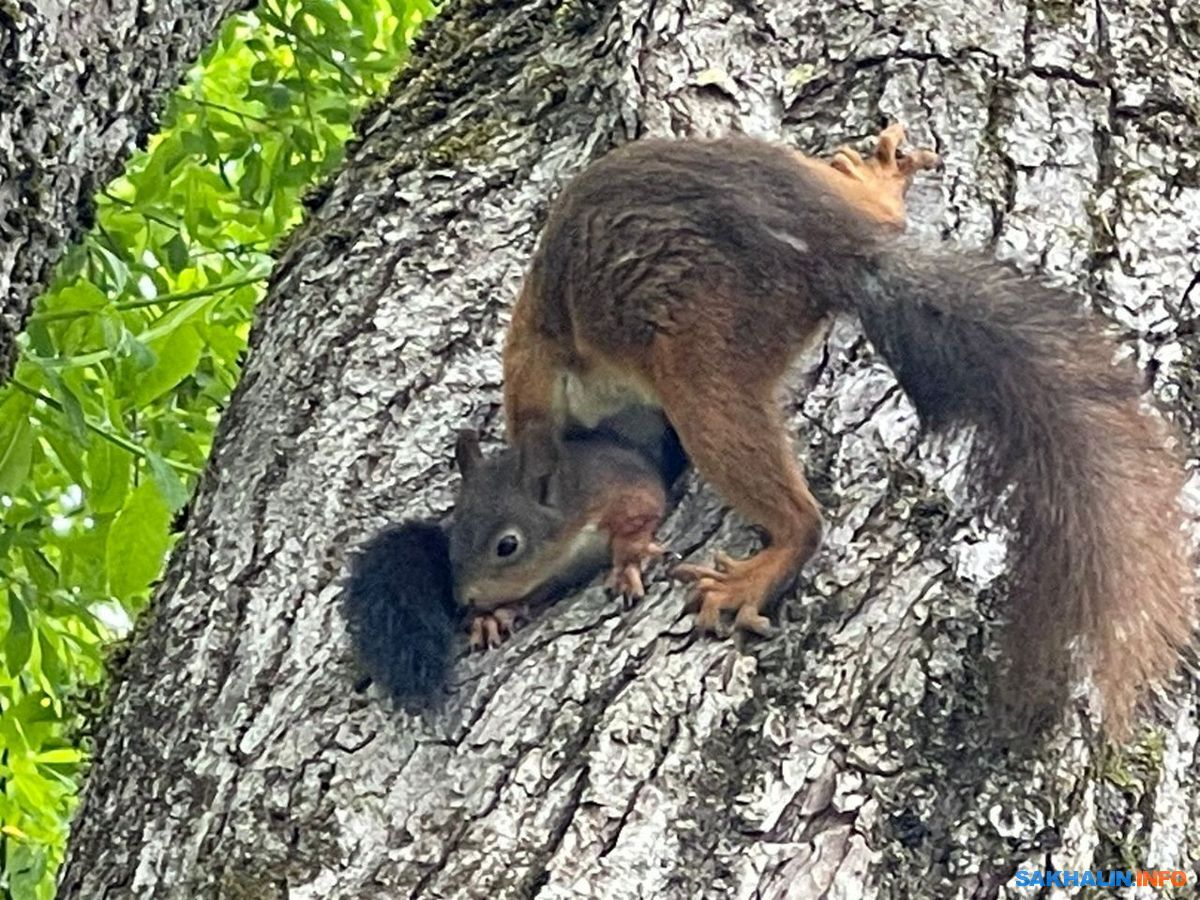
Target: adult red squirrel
x,y
687,274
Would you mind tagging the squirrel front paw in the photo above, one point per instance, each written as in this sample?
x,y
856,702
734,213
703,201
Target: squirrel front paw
x,y
492,628
629,555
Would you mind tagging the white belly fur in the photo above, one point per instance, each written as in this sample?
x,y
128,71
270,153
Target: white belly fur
x,y
592,397
587,552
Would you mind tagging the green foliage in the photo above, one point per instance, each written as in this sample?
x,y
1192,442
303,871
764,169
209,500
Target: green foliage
x,y
129,359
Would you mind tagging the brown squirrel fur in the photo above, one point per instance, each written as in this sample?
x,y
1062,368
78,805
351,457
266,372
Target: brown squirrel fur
x,y
688,274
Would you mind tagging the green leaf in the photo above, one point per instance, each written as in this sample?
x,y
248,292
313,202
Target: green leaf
x,y
336,115
263,70
251,177
41,572
19,641
16,443
59,756
83,564
328,15
304,140
81,294
67,451
52,665
195,144
112,326
26,867
137,542
136,351
176,357
278,97
72,409
170,488
108,475
72,263
177,253
41,339
115,267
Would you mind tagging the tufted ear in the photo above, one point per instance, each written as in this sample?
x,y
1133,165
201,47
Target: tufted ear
x,y
467,454
539,461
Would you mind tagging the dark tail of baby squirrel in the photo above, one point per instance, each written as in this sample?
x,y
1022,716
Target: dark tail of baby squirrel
x,y
400,611
1098,549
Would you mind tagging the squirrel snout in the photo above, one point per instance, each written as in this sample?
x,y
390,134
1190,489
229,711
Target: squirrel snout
x,y
473,595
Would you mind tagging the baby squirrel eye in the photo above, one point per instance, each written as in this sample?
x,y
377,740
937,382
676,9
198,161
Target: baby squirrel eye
x,y
507,545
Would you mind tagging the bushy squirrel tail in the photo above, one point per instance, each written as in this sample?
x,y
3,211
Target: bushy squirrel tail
x,y
400,611
1099,551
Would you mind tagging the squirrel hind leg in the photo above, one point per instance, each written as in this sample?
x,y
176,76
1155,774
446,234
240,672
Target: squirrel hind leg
x,y
730,427
535,373
878,184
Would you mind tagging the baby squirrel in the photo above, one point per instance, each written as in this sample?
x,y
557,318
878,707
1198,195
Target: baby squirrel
x,y
687,274
528,523
540,517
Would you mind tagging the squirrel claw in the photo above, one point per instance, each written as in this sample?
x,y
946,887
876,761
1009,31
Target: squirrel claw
x,y
847,161
918,161
625,579
490,629
728,584
626,582
890,158
748,619
890,161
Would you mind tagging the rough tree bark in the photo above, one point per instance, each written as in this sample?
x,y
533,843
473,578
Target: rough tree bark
x,y
612,754
80,85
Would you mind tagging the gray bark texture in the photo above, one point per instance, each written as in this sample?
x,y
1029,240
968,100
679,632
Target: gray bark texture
x,y
80,85
611,754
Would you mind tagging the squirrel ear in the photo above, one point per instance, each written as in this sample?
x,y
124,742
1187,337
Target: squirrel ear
x,y
538,458
467,454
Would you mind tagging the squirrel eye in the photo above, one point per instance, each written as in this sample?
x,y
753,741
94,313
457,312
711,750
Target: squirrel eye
x,y
507,545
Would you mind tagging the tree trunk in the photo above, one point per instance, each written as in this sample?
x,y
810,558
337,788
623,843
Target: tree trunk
x,y
80,85
611,754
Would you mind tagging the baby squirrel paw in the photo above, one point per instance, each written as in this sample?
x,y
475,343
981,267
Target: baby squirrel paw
x,y
892,172
491,629
629,555
732,584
